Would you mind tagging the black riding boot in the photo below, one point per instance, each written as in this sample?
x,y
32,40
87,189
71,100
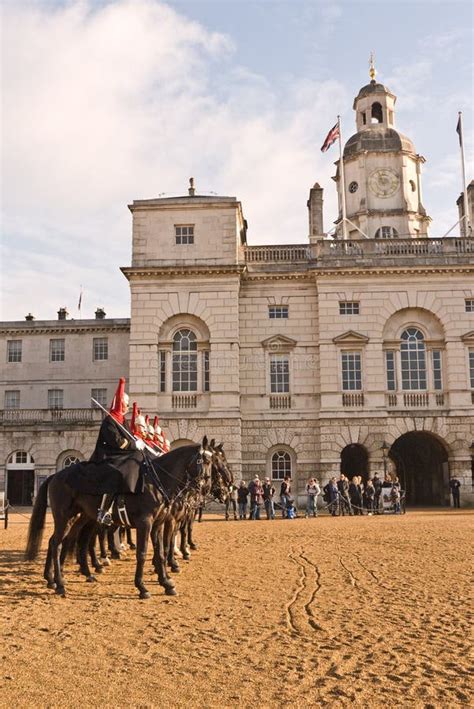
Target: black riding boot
x,y
104,513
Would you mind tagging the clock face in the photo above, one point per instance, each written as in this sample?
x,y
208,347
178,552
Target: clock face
x,y
384,182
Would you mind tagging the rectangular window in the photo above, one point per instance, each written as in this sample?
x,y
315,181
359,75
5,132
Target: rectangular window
x,y
469,304
100,349
205,370
55,398
57,349
391,374
14,350
277,312
184,233
162,370
279,374
471,367
351,371
348,307
12,399
437,378
185,372
100,395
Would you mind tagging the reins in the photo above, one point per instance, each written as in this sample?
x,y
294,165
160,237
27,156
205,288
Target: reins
x,y
156,482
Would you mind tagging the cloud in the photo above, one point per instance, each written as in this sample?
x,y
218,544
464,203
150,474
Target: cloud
x,y
109,103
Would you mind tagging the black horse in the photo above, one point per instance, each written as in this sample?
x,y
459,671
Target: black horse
x,y
182,472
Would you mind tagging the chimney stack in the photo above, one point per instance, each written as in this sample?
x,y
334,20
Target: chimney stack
x,y
29,317
99,314
191,190
62,314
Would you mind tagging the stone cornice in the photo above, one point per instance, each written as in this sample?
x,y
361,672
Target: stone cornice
x,y
142,273
321,271
350,337
64,327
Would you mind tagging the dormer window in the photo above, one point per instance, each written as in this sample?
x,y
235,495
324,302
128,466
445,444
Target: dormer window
x,y
377,113
184,233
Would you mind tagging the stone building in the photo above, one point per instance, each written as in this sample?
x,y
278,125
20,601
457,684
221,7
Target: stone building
x,y
337,354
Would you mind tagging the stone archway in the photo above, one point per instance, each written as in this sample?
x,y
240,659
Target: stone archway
x,y
421,462
355,461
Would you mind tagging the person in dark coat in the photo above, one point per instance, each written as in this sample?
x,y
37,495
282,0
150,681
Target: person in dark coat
x,y
344,499
377,483
332,495
455,484
117,457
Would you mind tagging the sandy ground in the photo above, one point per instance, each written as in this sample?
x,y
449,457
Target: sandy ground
x,y
323,612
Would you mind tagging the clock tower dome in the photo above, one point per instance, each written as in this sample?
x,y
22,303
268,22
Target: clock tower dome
x,y
382,172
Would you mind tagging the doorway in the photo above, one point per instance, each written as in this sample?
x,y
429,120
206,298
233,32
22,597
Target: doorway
x,y
355,461
421,461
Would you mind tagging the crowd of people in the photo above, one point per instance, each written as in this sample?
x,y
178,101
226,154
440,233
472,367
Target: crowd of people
x,y
339,496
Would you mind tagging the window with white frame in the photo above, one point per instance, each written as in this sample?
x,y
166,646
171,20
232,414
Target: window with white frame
x,y
281,465
469,305
413,359
185,374
14,350
100,395
279,374
55,398
70,460
471,367
162,370
351,371
100,349
386,232
278,312
349,307
437,373
391,371
184,233
205,370
57,350
12,399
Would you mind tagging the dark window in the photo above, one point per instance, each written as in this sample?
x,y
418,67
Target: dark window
x,y
277,311
471,367
100,395
279,374
12,399
184,233
348,307
100,349
162,370
437,376
205,369
14,350
55,399
377,113
386,232
57,350
469,305
351,371
353,187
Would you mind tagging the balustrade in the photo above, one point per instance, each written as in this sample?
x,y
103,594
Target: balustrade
x,y
280,401
184,401
353,399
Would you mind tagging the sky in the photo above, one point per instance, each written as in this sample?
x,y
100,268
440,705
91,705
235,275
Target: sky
x,y
105,102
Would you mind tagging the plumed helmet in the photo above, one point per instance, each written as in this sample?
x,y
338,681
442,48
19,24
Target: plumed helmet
x,y
120,402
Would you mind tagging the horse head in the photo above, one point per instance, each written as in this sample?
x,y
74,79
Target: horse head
x,y
222,476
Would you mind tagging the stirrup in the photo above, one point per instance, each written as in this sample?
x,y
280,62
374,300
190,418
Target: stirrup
x,y
104,517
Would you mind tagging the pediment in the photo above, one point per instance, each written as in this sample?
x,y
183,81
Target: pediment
x,y
279,342
350,337
468,337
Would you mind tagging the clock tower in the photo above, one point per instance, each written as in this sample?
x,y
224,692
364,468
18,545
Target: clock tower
x,y
382,172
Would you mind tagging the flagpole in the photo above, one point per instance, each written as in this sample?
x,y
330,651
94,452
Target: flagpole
x,y
343,182
464,186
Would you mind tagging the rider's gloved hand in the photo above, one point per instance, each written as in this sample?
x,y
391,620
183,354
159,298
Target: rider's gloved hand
x,y
140,445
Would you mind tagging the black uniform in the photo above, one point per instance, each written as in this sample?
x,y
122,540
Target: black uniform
x,y
115,453
454,484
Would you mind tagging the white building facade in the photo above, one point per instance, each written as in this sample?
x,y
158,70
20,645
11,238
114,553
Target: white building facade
x,y
352,355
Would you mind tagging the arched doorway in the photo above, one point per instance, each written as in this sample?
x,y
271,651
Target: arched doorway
x,y
20,479
355,461
421,461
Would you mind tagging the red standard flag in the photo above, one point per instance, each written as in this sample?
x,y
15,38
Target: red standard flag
x,y
331,138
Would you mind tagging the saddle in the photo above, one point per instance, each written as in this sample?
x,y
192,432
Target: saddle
x,y
104,478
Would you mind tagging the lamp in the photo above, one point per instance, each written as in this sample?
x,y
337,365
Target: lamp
x,y
385,449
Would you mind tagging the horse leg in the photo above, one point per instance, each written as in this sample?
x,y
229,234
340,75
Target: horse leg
x,y
48,567
159,561
104,559
99,568
57,541
84,545
192,544
143,532
114,542
130,541
183,543
170,538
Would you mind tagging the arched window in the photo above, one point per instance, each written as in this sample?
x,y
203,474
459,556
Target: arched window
x,y
377,113
281,465
70,460
185,361
386,232
413,359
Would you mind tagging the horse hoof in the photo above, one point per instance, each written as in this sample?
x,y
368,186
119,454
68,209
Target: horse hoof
x,y
170,591
60,591
115,555
91,579
144,595
175,569
132,546
99,569
105,561
50,584
186,556
193,546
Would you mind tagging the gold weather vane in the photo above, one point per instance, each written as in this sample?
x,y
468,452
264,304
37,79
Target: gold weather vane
x,y
372,72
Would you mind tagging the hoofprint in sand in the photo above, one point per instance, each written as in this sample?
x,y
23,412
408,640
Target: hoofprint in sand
x,y
364,611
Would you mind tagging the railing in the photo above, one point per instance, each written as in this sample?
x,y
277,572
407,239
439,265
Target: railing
x,y
49,416
395,247
353,399
280,401
416,400
184,401
289,253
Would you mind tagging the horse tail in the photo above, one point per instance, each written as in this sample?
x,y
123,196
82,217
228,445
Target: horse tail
x,y
36,528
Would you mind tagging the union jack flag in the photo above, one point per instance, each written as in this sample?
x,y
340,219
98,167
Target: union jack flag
x,y
331,138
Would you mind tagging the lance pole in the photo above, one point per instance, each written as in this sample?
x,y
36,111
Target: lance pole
x,y
124,430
